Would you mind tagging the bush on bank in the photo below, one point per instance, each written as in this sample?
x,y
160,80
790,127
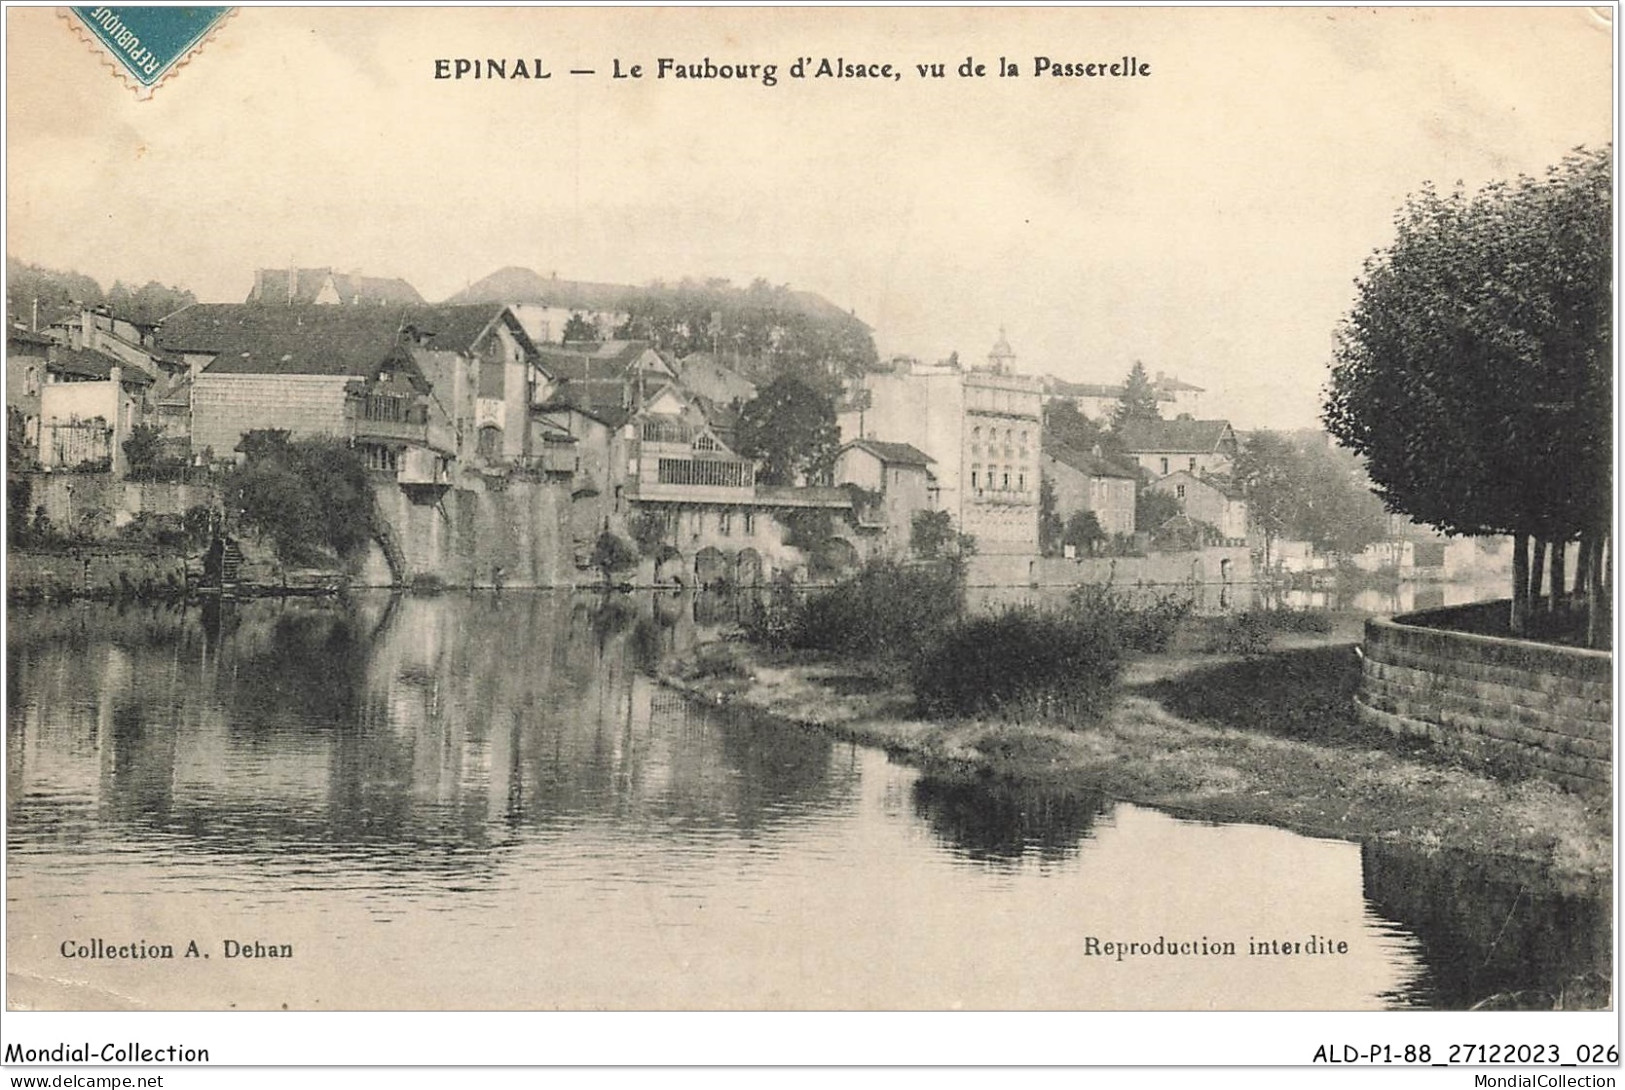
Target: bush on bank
x,y
888,610
1022,663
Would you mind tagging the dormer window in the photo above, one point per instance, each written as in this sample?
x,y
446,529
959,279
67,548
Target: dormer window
x,y
705,443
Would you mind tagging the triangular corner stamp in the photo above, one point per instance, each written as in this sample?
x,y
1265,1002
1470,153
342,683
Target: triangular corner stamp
x,y
144,46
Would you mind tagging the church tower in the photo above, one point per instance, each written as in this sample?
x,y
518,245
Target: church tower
x,y
1001,360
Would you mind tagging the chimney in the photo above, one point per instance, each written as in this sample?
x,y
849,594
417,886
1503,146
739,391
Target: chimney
x,y
293,280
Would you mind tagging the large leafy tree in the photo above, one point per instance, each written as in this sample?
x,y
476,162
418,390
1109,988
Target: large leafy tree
x,y
1474,372
1307,492
311,497
789,428
1267,467
1065,426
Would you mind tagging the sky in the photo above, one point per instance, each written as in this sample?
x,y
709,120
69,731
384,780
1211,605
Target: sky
x,y
1207,219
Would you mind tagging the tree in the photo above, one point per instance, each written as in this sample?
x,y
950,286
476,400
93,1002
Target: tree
x,y
931,533
1270,472
1334,507
148,305
309,496
612,554
1153,508
789,428
577,328
1474,371
1083,531
144,452
1066,426
1138,400
1050,524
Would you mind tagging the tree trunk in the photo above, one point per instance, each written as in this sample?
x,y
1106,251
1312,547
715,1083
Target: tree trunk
x,y
1537,570
1560,551
1591,572
1518,621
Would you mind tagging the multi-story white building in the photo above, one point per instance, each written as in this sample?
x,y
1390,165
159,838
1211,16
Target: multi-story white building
x,y
981,429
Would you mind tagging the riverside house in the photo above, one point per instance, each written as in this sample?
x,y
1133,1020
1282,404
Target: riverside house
x,y
417,388
1162,447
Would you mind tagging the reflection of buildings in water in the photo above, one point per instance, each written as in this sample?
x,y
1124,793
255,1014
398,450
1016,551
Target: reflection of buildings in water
x,y
1489,931
1003,821
402,724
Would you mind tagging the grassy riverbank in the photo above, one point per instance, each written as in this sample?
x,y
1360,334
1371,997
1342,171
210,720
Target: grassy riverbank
x,y
1267,738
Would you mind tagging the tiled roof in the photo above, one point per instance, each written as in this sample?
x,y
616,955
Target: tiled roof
x,y
1062,388
28,337
570,396
1173,436
716,413
892,453
793,496
83,363
317,340
1087,463
578,362
271,288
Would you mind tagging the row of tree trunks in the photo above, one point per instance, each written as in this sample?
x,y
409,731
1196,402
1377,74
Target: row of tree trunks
x,y
1593,577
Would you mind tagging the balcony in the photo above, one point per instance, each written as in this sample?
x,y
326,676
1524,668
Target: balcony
x,y
400,431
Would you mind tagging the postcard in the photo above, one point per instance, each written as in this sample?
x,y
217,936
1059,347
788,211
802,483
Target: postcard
x,y
1100,513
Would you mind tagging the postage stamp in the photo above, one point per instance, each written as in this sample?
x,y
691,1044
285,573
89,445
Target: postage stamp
x,y
145,46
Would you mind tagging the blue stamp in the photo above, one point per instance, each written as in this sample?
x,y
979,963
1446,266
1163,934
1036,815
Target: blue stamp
x,y
148,43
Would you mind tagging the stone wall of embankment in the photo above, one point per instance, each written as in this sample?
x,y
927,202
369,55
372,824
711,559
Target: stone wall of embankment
x,y
1542,709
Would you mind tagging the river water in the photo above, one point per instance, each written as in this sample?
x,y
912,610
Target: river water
x,y
485,802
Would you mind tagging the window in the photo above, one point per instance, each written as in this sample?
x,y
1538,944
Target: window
x,y
1165,467
1193,464
725,522
1006,485
1021,482
975,476
1179,491
750,522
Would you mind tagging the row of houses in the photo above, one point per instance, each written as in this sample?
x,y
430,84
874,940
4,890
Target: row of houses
x,y
469,396
461,398
982,428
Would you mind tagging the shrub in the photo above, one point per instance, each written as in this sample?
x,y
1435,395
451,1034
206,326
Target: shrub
x,y
1021,663
1140,626
1245,633
886,609
612,554
1283,619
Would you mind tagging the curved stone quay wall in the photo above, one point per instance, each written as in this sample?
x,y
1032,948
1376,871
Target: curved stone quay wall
x,y
1544,709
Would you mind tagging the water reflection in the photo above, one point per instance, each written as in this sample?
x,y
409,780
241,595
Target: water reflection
x,y
484,801
1491,934
406,721
998,821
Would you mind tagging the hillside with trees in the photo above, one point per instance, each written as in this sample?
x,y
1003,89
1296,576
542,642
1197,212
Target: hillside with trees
x,y
764,330
60,294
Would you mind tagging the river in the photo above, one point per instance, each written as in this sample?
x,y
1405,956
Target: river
x,y
481,801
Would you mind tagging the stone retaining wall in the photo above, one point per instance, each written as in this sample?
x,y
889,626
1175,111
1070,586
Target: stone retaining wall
x,y
1219,564
1544,709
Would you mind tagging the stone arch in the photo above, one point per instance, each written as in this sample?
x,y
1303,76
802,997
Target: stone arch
x,y
670,566
710,566
748,568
